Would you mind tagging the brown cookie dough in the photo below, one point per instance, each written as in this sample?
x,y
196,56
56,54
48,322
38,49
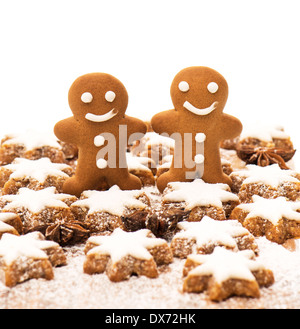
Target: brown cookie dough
x,y
198,126
98,102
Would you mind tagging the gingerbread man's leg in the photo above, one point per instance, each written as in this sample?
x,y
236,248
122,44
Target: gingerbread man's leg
x,y
79,183
124,180
87,177
172,175
215,174
73,186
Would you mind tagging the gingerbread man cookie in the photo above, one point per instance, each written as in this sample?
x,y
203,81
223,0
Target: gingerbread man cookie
x,y
198,125
100,129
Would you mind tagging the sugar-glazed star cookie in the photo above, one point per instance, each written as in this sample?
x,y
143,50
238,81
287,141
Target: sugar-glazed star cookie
x,y
265,135
202,237
10,223
200,198
106,210
37,208
28,256
34,174
268,182
122,254
278,219
263,145
226,273
30,144
154,146
137,166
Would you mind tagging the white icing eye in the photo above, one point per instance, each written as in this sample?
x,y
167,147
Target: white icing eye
x,y
110,96
183,86
87,97
212,87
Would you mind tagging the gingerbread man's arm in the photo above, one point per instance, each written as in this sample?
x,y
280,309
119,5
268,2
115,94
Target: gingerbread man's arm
x,y
67,131
230,126
136,128
165,122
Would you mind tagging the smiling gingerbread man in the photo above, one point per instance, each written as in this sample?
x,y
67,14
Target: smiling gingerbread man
x,y
198,125
98,102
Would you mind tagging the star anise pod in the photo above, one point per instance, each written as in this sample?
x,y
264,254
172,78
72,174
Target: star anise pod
x,y
135,221
67,233
264,156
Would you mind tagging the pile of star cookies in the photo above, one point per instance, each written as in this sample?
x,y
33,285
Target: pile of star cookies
x,y
133,232
190,184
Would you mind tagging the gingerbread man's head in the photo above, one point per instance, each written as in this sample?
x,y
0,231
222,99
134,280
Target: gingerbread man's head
x,y
97,97
199,90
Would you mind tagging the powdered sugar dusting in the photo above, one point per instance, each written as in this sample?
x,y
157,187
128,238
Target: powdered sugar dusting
x,y
71,288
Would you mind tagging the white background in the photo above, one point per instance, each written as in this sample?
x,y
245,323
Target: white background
x,y
46,45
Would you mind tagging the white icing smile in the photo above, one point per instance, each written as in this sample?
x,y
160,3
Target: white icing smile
x,y
101,118
190,107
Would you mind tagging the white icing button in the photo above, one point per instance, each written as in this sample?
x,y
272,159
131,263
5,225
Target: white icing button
x,y
212,87
99,140
183,86
86,97
199,158
110,96
200,137
101,163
